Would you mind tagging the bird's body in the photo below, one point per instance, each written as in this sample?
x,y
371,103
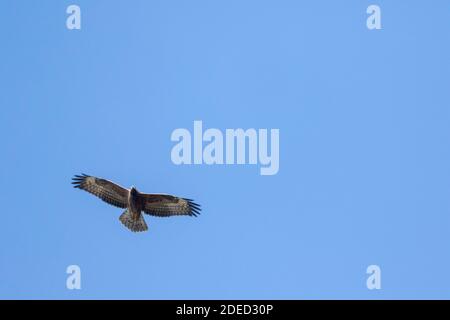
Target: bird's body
x,y
161,205
134,205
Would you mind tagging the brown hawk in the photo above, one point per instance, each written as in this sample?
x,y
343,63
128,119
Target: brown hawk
x,y
160,205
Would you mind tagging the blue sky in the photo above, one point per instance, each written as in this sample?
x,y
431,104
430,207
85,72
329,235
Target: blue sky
x,y
364,148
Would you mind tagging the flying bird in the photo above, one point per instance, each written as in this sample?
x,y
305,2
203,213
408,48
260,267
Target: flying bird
x,y
135,202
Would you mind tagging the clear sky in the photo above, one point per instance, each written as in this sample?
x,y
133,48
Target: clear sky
x,y
364,173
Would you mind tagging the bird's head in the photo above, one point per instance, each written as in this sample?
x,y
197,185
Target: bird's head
x,y
133,190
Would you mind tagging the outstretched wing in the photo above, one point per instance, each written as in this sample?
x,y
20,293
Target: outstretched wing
x,y
164,205
104,189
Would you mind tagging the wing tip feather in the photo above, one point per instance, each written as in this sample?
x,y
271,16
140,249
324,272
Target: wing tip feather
x,y
194,208
78,180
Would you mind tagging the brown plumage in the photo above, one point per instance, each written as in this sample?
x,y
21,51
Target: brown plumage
x,y
161,205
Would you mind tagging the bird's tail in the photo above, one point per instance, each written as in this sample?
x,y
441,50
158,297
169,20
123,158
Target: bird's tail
x,y
134,224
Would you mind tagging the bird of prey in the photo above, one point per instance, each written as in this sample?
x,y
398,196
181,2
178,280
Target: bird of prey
x,y
134,202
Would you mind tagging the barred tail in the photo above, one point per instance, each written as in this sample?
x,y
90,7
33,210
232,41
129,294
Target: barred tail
x,y
135,225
